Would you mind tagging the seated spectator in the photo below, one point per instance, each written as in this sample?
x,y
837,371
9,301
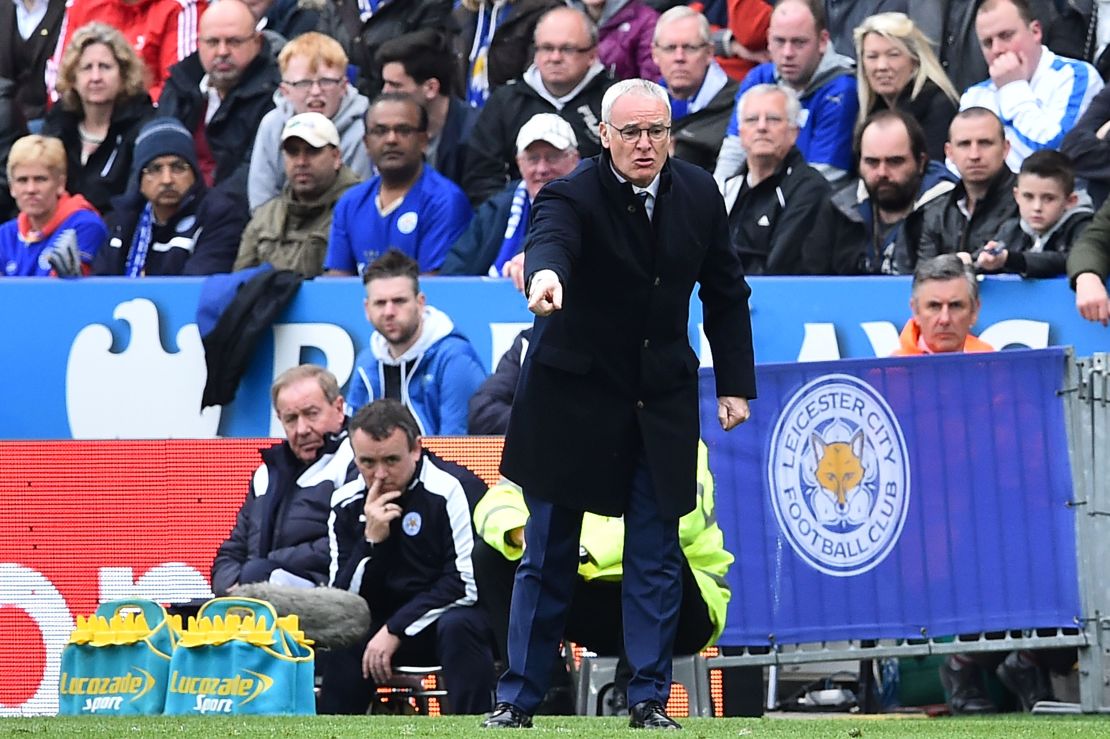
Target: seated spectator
x,y
594,619
701,94
420,64
774,200
1037,243
969,216
1039,96
546,150
291,230
803,58
1088,268
873,224
162,33
313,79
741,43
239,78
491,403
624,32
944,301
415,354
361,26
55,232
495,41
402,537
103,105
897,69
1088,146
29,29
281,530
566,79
407,206
169,222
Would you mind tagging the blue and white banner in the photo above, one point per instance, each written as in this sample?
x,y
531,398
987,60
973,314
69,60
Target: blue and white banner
x,y
118,358
897,498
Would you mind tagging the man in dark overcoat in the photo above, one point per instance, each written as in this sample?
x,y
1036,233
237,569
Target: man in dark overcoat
x,y
605,417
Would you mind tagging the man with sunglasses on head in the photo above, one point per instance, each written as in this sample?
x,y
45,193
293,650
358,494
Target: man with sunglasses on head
x,y
605,417
408,206
313,80
221,92
565,78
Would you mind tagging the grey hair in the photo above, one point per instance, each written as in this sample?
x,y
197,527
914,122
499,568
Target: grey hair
x,y
677,13
643,88
943,268
328,384
793,104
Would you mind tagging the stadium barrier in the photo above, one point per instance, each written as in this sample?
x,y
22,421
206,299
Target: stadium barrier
x,y
970,519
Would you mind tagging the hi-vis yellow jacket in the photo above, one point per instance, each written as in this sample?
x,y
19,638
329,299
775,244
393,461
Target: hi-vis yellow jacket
x,y
502,509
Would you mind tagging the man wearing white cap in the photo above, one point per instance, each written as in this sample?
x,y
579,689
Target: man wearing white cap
x,y
546,149
290,231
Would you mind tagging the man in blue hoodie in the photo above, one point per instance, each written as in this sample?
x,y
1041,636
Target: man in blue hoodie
x,y
415,355
803,58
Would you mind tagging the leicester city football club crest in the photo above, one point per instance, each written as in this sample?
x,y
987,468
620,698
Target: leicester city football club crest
x,y
410,524
839,475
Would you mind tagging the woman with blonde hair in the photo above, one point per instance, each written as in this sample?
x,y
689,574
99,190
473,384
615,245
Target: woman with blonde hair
x,y
104,103
897,69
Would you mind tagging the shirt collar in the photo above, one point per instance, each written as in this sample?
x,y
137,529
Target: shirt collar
x,y
652,189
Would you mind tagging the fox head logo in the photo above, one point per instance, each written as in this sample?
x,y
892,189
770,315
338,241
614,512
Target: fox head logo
x,y
839,465
839,473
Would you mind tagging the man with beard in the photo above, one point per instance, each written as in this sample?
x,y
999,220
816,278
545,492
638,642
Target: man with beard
x,y
415,354
169,222
408,206
290,231
872,225
774,199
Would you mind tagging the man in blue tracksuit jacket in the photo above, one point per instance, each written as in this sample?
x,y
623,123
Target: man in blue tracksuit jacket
x,y
802,57
415,355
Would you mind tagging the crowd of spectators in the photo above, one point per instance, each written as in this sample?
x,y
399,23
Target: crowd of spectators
x,y
458,80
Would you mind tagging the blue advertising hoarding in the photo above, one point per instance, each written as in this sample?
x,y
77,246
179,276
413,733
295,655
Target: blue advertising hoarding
x,y
117,358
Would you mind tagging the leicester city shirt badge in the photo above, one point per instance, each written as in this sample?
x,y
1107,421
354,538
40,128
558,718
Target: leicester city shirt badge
x,y
839,475
410,524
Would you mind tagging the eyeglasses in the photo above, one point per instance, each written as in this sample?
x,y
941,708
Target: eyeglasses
x,y
550,158
177,167
234,43
403,131
631,134
686,48
326,84
565,50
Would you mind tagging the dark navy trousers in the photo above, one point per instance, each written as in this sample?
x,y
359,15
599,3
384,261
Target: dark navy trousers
x,y
651,593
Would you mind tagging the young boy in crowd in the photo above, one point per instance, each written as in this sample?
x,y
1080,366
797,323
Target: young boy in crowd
x,y
1052,218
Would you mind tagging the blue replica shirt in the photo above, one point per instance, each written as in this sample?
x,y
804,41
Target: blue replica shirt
x,y
423,224
21,259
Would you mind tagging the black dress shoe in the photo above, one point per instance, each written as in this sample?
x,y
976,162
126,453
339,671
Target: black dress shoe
x,y
507,716
650,714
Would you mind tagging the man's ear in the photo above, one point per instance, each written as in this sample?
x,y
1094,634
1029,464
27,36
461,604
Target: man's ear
x,y
1072,200
603,131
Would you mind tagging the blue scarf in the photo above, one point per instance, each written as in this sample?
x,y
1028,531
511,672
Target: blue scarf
x,y
140,243
477,78
514,229
367,8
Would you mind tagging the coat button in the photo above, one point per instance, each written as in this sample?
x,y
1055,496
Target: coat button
x,y
657,281
640,404
632,209
647,343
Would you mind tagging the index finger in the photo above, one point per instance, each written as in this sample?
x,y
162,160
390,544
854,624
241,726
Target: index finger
x,y
391,495
374,491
